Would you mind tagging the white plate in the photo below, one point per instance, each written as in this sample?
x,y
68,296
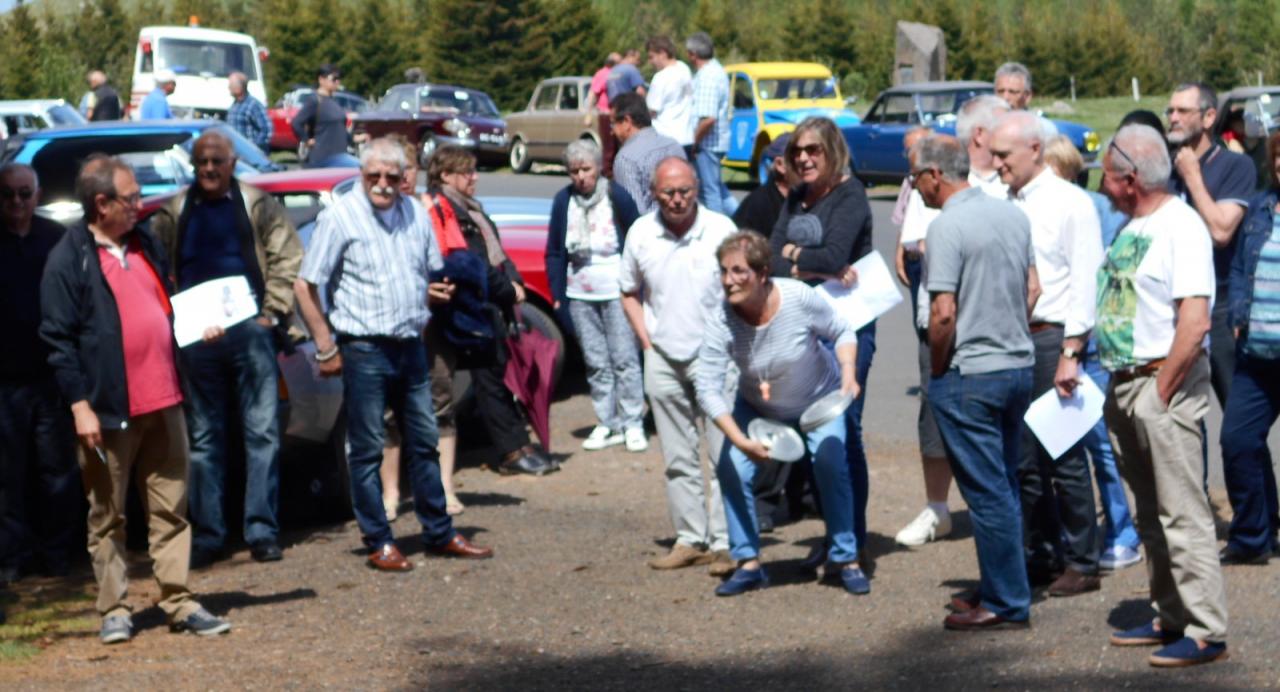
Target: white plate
x,y
824,410
784,443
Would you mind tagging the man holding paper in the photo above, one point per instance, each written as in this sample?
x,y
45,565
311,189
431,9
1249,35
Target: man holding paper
x,y
217,228
1155,294
104,301
982,281
1058,510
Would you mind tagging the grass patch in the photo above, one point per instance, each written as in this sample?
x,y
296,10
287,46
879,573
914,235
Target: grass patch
x,y
39,616
1103,114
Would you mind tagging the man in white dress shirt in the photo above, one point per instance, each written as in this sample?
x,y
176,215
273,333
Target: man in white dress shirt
x,y
1058,510
670,96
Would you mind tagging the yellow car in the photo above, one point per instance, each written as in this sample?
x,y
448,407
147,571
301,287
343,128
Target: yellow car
x,y
769,99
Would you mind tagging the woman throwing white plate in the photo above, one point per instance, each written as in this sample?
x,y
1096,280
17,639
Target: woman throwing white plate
x,y
771,328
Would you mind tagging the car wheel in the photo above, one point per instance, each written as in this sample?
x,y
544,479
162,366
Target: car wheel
x,y
544,324
760,168
520,156
425,150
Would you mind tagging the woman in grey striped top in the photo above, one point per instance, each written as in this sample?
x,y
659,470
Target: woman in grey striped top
x,y
771,329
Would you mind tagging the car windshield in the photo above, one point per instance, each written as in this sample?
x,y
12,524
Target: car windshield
x,y
934,106
63,114
208,58
351,103
457,101
247,152
797,88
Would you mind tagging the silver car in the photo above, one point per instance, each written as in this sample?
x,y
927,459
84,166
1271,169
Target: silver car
x,y
556,115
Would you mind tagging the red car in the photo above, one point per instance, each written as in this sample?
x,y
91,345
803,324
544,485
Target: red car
x,y
282,137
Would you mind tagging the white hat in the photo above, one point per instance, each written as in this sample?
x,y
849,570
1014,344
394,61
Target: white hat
x,y
165,76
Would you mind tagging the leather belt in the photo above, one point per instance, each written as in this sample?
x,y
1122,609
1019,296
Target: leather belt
x,y
912,255
1037,327
1144,370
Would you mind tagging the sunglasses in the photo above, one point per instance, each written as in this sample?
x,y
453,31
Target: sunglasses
x,y
392,178
215,161
1116,148
811,149
24,194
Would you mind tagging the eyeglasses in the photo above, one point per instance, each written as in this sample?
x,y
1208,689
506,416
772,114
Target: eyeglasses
x,y
392,178
1182,111
812,150
676,191
466,174
24,193
127,200
914,176
211,160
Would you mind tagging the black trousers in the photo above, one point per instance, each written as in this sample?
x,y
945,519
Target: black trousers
x,y
497,409
1059,515
41,502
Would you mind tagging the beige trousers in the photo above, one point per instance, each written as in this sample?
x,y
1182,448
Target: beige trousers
x,y
154,447
1158,452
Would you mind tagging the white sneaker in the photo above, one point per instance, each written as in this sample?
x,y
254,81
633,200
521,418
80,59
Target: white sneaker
x,y
928,526
600,438
637,441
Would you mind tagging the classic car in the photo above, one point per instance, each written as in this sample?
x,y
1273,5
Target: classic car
x,y
282,137
158,150
769,99
556,115
876,143
311,406
21,117
1251,114
429,115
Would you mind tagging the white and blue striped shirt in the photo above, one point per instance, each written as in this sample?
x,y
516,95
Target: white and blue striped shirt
x,y
376,265
711,100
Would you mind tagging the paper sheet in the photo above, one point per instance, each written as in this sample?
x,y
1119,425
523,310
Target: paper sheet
x,y
1060,423
873,295
217,303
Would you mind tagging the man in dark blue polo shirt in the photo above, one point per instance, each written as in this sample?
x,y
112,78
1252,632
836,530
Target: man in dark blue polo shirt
x,y
40,505
1217,183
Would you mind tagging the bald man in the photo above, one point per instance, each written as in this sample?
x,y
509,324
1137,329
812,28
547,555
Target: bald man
x,y
39,480
670,284
219,228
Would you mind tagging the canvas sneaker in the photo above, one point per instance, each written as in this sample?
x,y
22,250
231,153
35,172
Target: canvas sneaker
x,y
928,526
602,437
1118,557
637,441
201,622
116,629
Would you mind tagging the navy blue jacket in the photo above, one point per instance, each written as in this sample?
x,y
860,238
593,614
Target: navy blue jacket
x,y
81,323
624,214
1253,234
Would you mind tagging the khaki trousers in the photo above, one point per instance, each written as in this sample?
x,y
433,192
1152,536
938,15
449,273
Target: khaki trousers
x,y
154,447
1158,453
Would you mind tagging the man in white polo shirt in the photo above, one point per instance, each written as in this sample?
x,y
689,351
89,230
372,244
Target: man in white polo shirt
x,y
670,96
670,283
1058,511
1155,293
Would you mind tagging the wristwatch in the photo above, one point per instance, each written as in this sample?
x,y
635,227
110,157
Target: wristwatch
x,y
1068,352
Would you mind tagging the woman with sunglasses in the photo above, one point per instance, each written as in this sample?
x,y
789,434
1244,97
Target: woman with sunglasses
x,y
461,225
776,332
824,227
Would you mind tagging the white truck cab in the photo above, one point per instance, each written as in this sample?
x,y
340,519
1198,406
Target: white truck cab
x,y
201,59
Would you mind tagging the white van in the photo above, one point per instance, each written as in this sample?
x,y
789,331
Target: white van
x,y
201,59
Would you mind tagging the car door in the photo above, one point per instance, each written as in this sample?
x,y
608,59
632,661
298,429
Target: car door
x,y
744,119
544,106
566,124
877,149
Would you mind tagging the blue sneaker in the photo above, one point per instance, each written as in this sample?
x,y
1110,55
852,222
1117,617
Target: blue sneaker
x,y
855,581
1118,557
1144,635
201,622
116,629
1187,652
742,581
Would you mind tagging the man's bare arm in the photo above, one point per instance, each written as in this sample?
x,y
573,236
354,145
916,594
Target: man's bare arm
x,y
1033,289
634,310
1188,344
942,331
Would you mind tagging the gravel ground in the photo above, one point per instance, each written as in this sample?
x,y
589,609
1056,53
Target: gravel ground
x,y
569,604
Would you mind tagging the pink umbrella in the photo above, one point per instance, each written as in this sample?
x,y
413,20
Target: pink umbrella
x,y
530,365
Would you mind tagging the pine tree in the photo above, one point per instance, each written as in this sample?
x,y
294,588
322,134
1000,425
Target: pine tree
x,y
491,46
575,34
22,41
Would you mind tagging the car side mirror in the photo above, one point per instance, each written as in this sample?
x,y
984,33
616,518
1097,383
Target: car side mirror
x,y
849,101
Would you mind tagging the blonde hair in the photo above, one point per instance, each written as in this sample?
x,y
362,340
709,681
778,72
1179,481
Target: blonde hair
x,y
1063,157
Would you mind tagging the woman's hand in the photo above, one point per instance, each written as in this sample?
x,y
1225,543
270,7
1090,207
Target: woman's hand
x,y
848,277
790,250
755,450
519,292
849,380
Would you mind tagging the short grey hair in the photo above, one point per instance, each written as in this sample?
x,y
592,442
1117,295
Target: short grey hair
x,y
979,111
1206,97
383,150
584,149
1029,126
13,167
1147,155
1015,69
700,45
944,153
239,79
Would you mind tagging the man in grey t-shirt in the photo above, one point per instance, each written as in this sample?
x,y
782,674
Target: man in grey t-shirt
x,y
982,283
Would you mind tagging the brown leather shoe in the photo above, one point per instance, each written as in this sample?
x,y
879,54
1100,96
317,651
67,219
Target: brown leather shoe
x,y
981,619
460,547
682,555
723,565
1073,583
965,601
388,559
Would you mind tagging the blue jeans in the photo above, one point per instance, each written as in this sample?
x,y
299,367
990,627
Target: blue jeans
x,y
855,454
378,372
1253,404
736,472
980,416
712,192
240,369
1115,506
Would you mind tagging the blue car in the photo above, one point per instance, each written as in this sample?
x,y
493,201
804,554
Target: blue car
x,y
875,144
158,150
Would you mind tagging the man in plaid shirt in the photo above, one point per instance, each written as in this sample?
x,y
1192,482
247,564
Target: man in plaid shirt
x,y
247,115
711,124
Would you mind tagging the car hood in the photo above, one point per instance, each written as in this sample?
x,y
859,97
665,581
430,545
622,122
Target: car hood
x,y
842,118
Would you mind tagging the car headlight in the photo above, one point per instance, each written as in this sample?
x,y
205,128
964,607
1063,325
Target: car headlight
x,y
456,127
1091,141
